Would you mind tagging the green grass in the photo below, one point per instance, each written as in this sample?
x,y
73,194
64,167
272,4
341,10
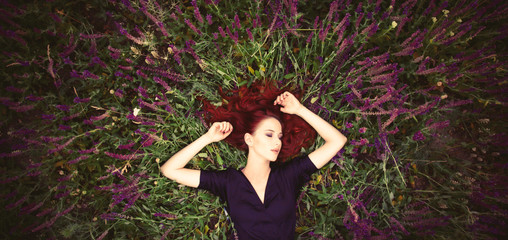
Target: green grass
x,y
368,75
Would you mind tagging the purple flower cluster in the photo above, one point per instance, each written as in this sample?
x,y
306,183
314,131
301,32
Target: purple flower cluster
x,y
62,146
421,219
50,222
132,156
128,190
191,26
418,136
165,215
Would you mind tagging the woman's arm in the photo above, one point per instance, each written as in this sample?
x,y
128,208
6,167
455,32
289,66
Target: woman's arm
x,y
174,168
334,140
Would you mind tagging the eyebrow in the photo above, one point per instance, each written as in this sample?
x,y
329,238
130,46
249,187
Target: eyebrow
x,y
270,130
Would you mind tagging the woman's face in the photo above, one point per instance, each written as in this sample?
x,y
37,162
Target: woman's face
x,y
266,141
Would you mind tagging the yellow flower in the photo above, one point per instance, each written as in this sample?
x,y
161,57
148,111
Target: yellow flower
x,y
434,19
155,54
394,24
135,50
250,69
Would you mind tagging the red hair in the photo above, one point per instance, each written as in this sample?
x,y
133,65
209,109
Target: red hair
x,y
246,107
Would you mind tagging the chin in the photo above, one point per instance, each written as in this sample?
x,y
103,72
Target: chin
x,y
273,159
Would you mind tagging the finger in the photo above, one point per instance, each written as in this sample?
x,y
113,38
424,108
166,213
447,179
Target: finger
x,y
222,127
226,127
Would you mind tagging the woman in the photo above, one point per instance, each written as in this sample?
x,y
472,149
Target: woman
x,y
260,197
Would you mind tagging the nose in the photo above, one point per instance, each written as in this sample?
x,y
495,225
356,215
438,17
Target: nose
x,y
278,142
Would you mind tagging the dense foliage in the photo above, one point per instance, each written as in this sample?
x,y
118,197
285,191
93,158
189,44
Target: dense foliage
x,y
97,95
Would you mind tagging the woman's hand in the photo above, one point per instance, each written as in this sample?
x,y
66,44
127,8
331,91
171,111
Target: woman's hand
x,y
289,103
219,130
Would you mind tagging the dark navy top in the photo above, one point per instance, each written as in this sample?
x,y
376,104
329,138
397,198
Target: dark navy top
x,y
276,218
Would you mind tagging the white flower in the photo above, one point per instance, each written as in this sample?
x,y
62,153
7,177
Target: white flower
x,y
445,12
136,111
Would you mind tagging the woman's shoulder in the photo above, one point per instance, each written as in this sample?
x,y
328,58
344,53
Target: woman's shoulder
x,y
225,172
292,161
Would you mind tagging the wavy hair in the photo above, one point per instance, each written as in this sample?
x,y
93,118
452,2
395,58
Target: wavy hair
x,y
246,107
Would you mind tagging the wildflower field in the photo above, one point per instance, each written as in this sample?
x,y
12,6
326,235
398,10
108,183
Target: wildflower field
x,y
96,95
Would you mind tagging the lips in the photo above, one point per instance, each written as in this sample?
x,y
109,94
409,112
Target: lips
x,y
276,150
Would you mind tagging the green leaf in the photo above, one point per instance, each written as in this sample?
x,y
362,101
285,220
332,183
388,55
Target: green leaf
x,y
289,76
219,160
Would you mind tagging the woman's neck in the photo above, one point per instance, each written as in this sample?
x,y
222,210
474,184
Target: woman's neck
x,y
257,169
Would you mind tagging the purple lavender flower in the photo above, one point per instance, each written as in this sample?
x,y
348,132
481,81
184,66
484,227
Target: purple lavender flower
x,y
209,19
249,34
33,98
100,117
123,156
14,89
103,235
44,212
237,22
324,32
17,203
316,21
309,39
222,33
192,26
256,22
78,159
81,100
30,208
64,127
418,136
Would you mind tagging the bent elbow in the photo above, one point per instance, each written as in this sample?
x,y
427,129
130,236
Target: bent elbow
x,y
168,173
341,142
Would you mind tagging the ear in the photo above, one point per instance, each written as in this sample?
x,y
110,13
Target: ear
x,y
248,139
